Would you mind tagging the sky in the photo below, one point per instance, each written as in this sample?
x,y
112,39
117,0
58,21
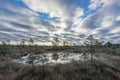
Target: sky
x,y
68,20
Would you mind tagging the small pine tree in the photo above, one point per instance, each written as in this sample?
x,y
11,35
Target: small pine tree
x,y
91,43
55,56
4,49
31,58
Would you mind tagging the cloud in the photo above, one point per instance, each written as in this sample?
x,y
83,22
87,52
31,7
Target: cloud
x,y
47,19
105,22
18,23
62,9
94,4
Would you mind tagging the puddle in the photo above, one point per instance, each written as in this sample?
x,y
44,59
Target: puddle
x,y
54,58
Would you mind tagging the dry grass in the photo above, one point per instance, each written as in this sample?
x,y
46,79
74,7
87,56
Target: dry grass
x,y
71,71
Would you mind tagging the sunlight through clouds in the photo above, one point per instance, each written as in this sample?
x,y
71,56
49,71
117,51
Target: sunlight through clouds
x,y
47,19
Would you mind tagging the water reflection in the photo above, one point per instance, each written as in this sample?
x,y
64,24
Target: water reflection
x,y
54,58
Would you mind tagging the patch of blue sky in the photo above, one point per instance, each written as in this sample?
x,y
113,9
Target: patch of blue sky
x,y
45,16
84,4
18,3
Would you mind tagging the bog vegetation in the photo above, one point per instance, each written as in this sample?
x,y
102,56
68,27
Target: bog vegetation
x,y
93,69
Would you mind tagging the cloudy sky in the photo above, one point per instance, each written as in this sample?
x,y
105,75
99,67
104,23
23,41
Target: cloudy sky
x,y
70,20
